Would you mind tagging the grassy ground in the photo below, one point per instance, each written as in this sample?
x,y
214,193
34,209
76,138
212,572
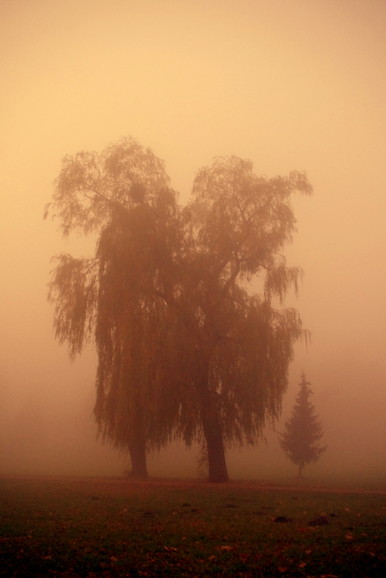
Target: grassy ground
x,y
111,527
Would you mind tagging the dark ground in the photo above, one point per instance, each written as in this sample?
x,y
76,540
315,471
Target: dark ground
x,y
117,527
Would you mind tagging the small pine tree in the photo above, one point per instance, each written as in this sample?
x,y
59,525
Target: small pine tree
x,y
302,431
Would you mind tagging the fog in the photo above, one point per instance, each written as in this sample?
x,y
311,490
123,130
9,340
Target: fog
x,y
289,84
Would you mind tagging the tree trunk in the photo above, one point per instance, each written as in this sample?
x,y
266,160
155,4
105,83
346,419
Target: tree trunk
x,y
137,450
300,470
217,468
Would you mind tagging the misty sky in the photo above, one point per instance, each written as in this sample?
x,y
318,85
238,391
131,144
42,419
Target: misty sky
x,y
289,84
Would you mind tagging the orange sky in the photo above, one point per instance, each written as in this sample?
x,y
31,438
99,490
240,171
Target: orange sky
x,y
290,84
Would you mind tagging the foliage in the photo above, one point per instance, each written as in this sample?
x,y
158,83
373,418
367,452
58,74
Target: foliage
x,y
185,305
303,430
116,528
236,227
122,196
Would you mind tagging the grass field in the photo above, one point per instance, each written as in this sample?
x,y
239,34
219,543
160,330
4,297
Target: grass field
x,y
114,527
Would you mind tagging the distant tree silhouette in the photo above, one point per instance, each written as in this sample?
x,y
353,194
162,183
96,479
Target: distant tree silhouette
x,y
302,431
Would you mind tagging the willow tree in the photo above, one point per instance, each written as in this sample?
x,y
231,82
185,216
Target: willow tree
x,y
123,197
234,281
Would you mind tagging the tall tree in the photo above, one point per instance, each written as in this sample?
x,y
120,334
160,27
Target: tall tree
x,y
122,196
185,304
303,430
235,280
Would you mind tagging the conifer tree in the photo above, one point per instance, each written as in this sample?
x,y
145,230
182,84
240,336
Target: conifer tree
x,y
303,430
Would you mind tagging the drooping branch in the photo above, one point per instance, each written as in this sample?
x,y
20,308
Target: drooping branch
x,y
73,289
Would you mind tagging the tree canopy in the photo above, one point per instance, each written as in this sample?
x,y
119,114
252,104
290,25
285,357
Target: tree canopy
x,y
303,430
185,304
